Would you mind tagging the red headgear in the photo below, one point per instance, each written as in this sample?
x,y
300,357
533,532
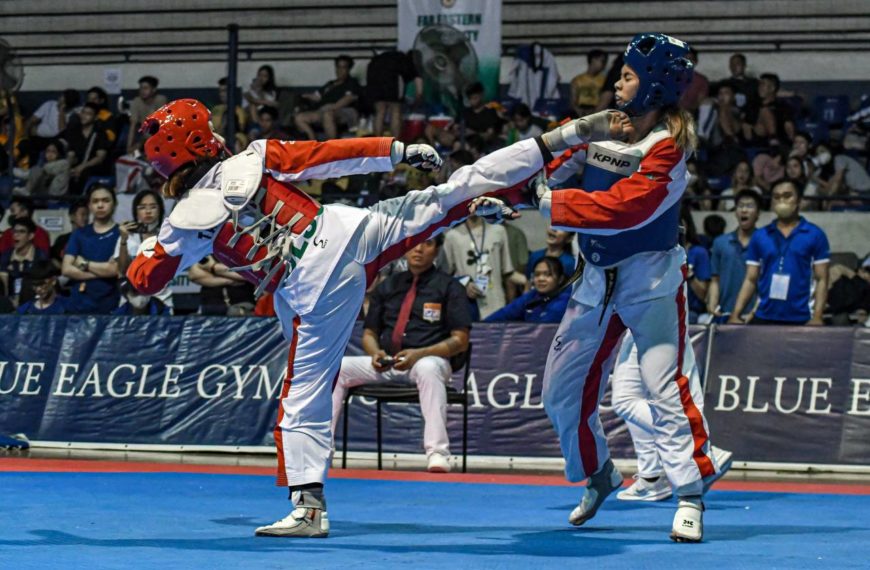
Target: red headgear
x,y
179,134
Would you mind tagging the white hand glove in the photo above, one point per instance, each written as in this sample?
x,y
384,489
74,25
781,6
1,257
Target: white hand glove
x,y
538,185
492,210
600,126
422,157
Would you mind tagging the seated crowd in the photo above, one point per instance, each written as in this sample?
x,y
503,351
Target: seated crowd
x,y
758,144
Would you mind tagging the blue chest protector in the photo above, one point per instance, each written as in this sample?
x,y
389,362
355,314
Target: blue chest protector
x,y
605,167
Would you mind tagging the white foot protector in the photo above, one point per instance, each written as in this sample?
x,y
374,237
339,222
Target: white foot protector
x,y
688,521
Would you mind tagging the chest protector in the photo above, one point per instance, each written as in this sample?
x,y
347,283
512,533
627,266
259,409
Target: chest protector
x,y
258,240
606,166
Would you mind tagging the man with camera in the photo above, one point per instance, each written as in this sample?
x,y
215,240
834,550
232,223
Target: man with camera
x,y
417,320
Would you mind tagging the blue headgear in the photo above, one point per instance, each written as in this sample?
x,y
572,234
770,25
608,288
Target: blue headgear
x,y
662,68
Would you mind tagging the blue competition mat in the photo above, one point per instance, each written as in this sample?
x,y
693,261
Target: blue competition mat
x,y
169,520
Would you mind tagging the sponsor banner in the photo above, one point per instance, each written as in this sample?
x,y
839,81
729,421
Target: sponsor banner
x,y
790,394
479,20
217,380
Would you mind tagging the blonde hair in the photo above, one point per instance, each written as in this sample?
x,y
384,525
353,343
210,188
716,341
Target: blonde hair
x,y
681,125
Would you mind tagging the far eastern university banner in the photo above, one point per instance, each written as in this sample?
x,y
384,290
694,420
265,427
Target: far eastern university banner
x,y
479,20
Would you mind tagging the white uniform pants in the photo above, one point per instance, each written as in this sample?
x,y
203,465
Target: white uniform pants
x,y
579,365
630,401
318,338
430,374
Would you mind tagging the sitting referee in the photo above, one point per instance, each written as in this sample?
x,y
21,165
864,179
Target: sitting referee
x,y
417,320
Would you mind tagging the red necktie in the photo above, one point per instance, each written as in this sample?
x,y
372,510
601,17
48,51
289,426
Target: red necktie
x,y
404,315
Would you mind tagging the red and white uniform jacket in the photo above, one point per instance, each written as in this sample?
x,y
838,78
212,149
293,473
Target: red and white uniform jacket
x,y
626,212
247,212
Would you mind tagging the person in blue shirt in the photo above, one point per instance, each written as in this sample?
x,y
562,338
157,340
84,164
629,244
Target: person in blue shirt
x,y
539,305
698,266
728,260
784,261
87,260
558,245
42,277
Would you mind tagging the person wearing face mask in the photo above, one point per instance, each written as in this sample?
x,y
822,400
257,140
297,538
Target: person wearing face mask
x,y
43,280
785,260
545,303
148,214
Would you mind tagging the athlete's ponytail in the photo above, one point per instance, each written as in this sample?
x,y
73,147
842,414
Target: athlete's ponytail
x,y
682,127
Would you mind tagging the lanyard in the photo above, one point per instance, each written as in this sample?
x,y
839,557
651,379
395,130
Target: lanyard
x,y
477,250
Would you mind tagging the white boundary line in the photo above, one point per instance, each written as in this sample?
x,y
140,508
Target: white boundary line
x,y
416,460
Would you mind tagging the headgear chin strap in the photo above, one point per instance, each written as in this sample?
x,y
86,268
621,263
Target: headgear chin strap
x,y
663,70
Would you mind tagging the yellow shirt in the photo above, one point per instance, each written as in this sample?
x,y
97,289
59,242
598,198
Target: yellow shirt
x,y
587,88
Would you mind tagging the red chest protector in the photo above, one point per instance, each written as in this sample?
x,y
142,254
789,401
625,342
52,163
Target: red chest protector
x,y
257,241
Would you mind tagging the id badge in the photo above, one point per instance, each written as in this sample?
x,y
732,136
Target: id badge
x,y
482,282
779,286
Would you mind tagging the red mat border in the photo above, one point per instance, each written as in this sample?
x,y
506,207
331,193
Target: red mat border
x,y
27,465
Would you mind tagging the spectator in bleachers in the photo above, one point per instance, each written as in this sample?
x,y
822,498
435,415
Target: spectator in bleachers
x,y
78,218
714,226
49,120
518,246
105,119
267,125
477,253
22,207
728,260
481,118
87,148
146,102
148,212
219,111
223,292
134,303
42,280
263,91
767,169
541,304
10,117
387,76
698,88
697,186
521,126
334,104
795,171
773,124
51,177
586,87
698,264
741,179
849,296
87,260
745,87
785,261
720,131
420,319
16,262
559,245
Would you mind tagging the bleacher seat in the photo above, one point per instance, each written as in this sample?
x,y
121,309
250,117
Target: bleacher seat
x,y
817,130
831,110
